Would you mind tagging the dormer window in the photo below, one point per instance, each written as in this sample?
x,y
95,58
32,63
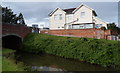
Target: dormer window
x,y
82,14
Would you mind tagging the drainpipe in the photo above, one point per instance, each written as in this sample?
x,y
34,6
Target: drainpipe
x,y
65,22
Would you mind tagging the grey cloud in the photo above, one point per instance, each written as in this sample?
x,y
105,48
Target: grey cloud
x,y
40,10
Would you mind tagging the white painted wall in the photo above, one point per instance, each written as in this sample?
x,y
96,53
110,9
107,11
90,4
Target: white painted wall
x,y
99,21
86,19
69,19
54,24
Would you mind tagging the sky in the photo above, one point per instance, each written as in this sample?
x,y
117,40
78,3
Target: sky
x,y
37,12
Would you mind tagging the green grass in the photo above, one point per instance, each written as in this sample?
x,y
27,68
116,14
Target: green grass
x,y
8,64
6,51
0,63
97,51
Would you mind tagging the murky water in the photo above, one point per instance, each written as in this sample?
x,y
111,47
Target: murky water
x,y
46,62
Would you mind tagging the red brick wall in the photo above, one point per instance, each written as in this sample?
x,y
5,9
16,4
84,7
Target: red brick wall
x,y
15,29
90,33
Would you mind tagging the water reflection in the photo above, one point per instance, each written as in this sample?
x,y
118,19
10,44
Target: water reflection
x,y
45,68
46,62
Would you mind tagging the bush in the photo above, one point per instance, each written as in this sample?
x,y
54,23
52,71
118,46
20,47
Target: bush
x,y
98,51
103,28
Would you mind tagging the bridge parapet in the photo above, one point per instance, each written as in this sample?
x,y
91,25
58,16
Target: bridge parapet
x,y
20,30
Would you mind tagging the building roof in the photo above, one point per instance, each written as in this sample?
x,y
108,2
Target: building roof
x,y
86,7
55,11
72,10
69,11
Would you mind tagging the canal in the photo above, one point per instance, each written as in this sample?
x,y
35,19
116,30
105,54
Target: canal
x,y
47,62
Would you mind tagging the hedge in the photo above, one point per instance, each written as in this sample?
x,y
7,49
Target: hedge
x,y
97,51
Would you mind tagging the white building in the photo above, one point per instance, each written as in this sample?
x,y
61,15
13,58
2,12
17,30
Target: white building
x,y
82,17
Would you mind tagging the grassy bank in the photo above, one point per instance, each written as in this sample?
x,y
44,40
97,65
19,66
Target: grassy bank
x,y
7,51
0,61
103,52
8,64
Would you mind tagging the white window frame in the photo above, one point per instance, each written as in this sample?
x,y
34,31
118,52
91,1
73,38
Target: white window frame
x,y
55,17
87,26
82,14
60,16
81,26
69,26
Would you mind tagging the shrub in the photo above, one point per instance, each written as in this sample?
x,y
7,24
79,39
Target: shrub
x,y
98,51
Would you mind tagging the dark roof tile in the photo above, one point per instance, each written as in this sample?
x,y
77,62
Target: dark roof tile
x,y
69,11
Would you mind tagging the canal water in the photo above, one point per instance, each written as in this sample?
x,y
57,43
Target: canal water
x,y
47,62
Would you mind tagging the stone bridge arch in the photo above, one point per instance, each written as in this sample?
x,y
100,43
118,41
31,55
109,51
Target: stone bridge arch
x,y
12,41
13,35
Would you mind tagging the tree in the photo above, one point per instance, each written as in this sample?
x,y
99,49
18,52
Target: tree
x,y
103,28
112,26
8,16
21,19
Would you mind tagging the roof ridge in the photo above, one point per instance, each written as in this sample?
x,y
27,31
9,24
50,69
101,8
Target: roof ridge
x,y
100,19
69,8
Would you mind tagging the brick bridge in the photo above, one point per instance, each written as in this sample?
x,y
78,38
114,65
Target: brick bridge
x,y
13,35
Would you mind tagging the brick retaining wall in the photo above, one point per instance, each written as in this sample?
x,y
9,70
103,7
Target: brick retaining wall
x,y
89,33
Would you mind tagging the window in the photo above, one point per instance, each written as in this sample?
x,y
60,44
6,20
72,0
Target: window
x,y
76,26
70,27
98,25
82,14
81,26
55,17
60,16
88,25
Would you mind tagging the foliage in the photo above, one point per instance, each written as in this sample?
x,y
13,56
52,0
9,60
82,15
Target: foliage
x,y
113,26
98,51
103,28
0,64
21,19
8,16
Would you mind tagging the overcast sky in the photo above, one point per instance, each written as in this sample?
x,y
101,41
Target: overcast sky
x,y
37,12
